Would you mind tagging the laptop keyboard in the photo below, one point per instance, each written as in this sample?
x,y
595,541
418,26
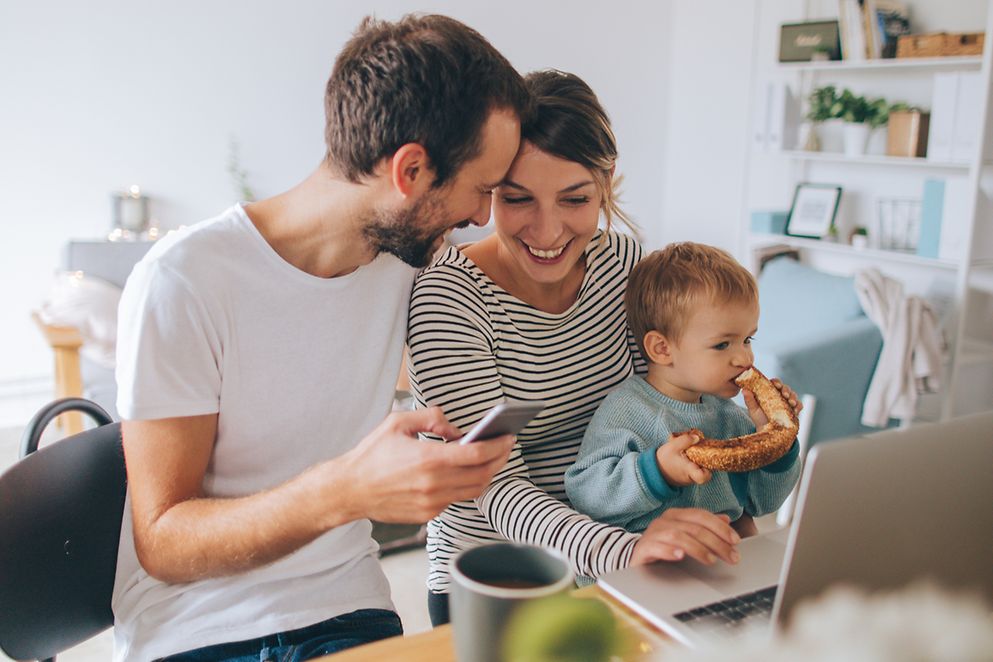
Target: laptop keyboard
x,y
731,614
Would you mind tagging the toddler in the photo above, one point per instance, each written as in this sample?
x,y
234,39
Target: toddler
x,y
694,311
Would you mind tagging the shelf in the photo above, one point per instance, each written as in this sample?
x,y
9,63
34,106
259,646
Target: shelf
x,y
874,160
958,282
845,249
962,62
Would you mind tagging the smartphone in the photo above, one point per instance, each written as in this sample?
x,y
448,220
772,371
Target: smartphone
x,y
508,417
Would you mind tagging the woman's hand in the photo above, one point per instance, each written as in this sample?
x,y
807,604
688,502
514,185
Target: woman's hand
x,y
755,412
681,532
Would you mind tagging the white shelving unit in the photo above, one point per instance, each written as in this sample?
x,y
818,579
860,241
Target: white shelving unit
x,y
875,160
964,283
963,62
869,254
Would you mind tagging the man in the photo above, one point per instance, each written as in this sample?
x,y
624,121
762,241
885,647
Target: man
x,y
259,350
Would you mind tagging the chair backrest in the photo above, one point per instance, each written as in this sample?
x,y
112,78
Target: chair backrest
x,y
60,525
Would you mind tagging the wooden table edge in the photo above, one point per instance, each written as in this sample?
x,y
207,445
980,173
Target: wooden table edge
x,y
436,644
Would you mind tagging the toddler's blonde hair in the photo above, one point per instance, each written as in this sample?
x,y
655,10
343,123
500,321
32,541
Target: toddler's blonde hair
x,y
663,288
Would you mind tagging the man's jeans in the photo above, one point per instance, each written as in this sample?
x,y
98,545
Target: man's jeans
x,y
331,636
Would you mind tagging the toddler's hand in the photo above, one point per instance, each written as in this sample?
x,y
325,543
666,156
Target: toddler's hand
x,y
755,412
676,468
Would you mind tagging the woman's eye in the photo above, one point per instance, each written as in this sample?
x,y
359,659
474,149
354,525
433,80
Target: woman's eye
x,y
577,200
723,345
749,339
516,199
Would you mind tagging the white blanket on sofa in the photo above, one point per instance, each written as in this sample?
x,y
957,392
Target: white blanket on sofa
x,y
912,357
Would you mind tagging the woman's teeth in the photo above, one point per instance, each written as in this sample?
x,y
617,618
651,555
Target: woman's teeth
x,y
546,255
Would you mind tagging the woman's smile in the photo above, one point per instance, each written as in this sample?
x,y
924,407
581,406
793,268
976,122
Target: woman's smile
x,y
546,256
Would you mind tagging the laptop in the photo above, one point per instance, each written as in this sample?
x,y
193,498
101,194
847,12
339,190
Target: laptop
x,y
876,512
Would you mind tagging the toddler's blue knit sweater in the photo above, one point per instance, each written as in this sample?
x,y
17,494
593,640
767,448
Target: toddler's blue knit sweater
x,y
616,478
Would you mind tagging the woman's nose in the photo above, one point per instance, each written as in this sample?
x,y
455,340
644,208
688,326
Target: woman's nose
x,y
545,228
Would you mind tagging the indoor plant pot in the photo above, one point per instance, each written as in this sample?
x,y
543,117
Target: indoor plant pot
x,y
845,120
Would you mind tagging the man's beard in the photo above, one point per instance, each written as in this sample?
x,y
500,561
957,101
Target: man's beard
x,y
407,233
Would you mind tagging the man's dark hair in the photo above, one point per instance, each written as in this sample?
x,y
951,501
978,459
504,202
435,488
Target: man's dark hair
x,y
426,79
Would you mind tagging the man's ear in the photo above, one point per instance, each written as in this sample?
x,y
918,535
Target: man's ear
x,y
658,348
410,170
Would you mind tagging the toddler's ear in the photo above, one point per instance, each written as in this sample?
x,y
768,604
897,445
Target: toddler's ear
x,y
658,348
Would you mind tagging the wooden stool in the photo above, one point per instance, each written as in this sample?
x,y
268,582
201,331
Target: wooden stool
x,y
65,342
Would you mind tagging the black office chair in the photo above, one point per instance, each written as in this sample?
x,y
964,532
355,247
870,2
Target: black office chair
x,y
60,524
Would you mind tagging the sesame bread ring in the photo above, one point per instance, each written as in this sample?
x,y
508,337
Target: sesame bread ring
x,y
756,450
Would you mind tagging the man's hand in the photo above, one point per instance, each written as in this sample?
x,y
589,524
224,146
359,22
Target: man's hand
x,y
391,476
181,535
676,468
755,412
681,532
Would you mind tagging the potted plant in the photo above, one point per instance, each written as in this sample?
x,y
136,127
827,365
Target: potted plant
x,y
824,111
878,121
859,238
845,119
861,116
822,53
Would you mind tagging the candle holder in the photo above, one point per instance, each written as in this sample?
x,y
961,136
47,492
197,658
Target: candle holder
x,y
131,220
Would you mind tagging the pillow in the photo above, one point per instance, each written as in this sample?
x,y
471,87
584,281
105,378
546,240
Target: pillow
x,y
796,299
89,304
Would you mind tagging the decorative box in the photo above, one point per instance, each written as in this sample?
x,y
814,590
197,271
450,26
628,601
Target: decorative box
x,y
939,44
769,222
907,133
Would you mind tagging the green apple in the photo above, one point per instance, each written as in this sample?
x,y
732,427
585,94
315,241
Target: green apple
x,y
561,628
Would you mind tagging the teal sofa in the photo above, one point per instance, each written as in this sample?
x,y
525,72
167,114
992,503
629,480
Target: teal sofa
x,y
814,336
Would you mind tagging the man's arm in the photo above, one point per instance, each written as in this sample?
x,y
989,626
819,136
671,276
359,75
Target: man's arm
x,y
181,535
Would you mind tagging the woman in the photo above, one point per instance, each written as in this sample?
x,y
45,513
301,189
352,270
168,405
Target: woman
x,y
535,312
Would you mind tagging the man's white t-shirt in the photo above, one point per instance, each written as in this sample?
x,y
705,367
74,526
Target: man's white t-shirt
x,y
298,369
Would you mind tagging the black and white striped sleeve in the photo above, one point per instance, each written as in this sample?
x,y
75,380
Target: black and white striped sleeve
x,y
453,365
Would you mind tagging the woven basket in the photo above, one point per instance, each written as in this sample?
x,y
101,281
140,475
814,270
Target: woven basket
x,y
938,44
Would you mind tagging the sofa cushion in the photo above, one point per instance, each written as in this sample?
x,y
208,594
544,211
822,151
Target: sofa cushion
x,y
797,300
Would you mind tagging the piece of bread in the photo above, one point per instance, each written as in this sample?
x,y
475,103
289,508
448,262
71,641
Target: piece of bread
x,y
756,450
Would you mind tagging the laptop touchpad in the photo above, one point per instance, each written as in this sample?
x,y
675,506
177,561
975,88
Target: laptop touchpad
x,y
761,562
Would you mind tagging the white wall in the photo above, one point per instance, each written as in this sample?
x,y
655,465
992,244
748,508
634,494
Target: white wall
x,y
710,50
95,96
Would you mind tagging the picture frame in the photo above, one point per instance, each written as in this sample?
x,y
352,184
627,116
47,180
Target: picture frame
x,y
809,41
813,211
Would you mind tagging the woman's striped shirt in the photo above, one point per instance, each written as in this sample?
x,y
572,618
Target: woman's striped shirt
x,y
473,345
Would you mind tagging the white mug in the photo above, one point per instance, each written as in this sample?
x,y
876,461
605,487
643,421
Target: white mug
x,y
490,582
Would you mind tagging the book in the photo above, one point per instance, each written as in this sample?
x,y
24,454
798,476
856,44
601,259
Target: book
x,y
968,118
955,116
943,105
852,29
946,207
873,38
932,212
887,20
